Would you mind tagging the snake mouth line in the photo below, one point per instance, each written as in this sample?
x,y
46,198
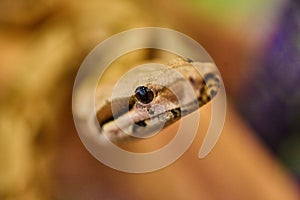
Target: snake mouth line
x,y
122,124
148,126
164,117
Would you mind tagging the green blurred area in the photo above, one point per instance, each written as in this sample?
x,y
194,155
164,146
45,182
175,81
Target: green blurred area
x,y
233,11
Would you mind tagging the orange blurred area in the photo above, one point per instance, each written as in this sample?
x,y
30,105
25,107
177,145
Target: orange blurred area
x,y
42,45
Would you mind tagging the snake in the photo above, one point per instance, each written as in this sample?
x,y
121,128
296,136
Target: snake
x,y
166,95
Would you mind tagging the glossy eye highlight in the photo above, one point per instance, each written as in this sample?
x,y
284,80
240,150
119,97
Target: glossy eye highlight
x,y
144,94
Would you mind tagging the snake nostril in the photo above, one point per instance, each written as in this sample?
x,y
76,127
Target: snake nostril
x,y
144,94
192,80
189,60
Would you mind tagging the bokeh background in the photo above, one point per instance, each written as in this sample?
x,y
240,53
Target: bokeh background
x,y
255,44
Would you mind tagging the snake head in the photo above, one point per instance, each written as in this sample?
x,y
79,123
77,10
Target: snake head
x,y
179,89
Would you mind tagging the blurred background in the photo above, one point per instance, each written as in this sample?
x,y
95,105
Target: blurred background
x,y
255,44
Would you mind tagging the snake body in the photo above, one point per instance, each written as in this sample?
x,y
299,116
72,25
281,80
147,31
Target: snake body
x,y
180,88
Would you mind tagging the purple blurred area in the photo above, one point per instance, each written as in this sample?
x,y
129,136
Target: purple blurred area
x,y
271,97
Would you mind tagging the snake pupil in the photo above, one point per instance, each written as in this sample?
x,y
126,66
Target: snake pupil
x,y
144,94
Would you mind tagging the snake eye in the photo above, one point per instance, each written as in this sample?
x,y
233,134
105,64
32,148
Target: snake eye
x,y
144,94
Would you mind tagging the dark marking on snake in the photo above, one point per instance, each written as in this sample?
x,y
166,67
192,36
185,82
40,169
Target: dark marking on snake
x,y
176,112
137,125
141,123
211,76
